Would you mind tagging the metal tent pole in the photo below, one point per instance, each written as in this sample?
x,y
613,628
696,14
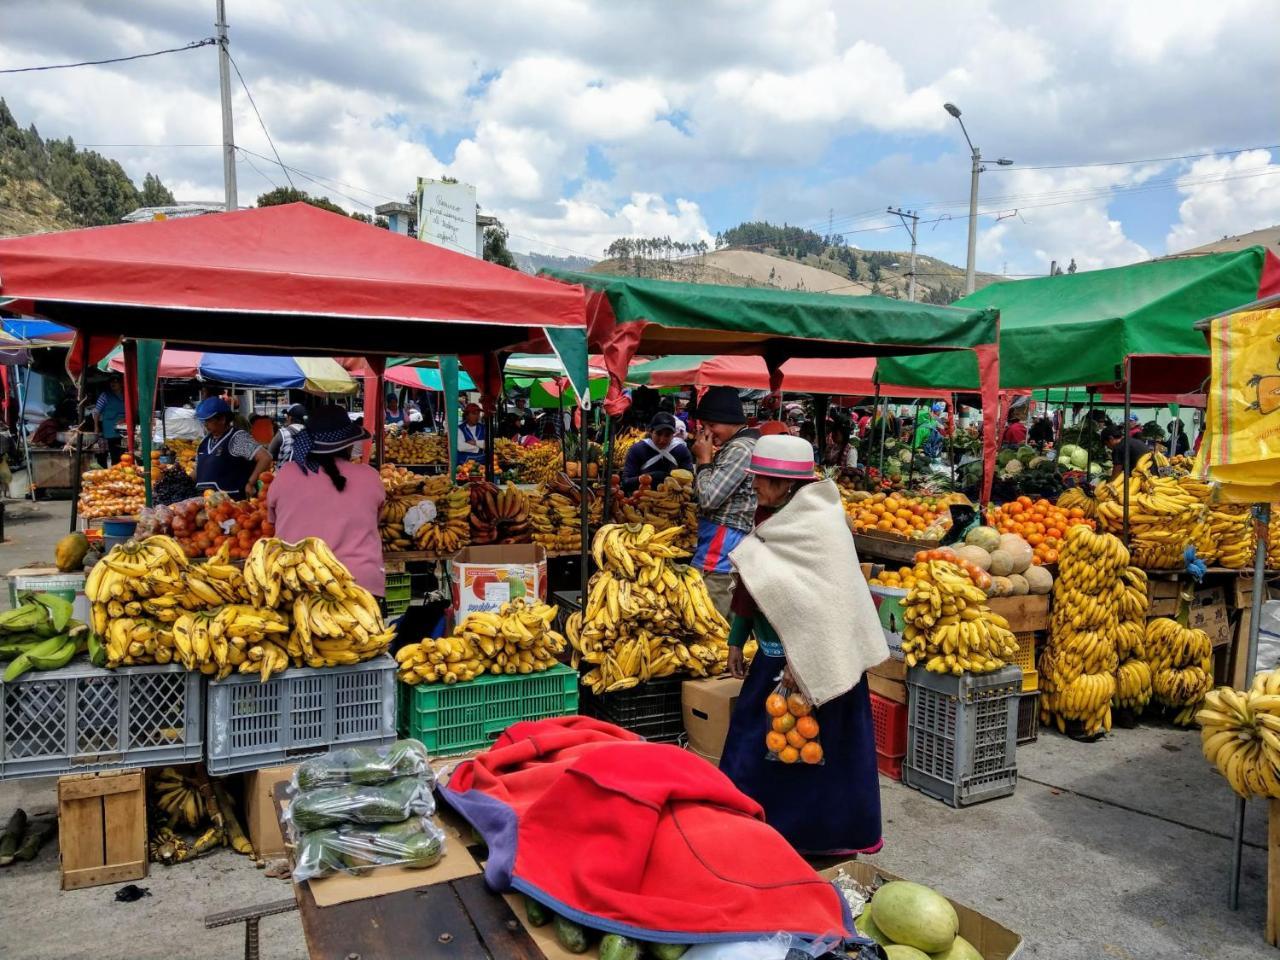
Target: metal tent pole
x,y
22,430
1128,383
608,467
1262,522
585,510
951,441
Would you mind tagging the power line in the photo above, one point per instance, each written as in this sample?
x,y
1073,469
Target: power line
x,y
254,167
193,45
1125,163
261,122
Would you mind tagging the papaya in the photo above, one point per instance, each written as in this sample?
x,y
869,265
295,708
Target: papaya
x,y
70,552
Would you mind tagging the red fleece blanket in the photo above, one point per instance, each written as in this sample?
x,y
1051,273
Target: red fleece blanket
x,y
637,838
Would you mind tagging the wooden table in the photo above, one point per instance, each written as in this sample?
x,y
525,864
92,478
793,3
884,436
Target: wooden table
x,y
459,919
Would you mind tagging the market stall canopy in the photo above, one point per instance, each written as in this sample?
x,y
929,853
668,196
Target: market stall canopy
x,y
319,375
37,333
289,278
1077,329
745,373
851,377
424,378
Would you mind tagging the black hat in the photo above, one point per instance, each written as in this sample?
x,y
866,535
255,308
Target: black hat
x,y
662,421
296,413
721,405
331,430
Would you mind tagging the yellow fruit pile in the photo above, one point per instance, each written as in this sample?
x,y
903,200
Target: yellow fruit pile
x,y
450,531
499,515
555,515
949,627
539,463
1128,636
1164,515
118,491
397,481
400,447
1078,665
1181,662
670,504
518,639
645,616
622,445
1231,531
1240,735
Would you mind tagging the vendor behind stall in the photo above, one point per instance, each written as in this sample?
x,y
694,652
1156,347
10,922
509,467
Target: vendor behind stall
x,y
108,411
471,435
656,455
228,458
321,493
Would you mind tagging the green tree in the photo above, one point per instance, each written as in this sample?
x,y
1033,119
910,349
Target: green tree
x,y
495,247
291,195
154,193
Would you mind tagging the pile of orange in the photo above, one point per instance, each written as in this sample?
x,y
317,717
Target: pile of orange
x,y
793,733
117,491
203,525
1042,524
892,513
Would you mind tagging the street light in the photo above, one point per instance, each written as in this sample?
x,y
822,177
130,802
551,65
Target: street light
x,y
952,109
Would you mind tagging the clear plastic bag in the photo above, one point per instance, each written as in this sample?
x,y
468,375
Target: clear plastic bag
x,y
416,843
793,727
360,803
365,765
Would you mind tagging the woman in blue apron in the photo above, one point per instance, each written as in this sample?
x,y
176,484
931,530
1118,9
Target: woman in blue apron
x,y
228,458
656,455
471,435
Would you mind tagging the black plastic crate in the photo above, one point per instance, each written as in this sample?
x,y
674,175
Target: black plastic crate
x,y
653,709
1028,717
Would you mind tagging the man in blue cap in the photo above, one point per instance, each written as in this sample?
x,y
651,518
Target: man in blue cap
x,y
228,458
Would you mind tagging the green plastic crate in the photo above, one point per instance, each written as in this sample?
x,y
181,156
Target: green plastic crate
x,y
399,593
461,717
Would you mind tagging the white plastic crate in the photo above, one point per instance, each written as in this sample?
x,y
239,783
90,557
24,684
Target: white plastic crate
x,y
299,713
83,719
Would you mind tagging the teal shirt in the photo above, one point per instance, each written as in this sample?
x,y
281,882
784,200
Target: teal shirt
x,y
766,636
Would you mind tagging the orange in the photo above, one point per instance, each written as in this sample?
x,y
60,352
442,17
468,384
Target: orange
x,y
811,753
776,705
775,741
795,740
789,755
807,727
798,705
785,723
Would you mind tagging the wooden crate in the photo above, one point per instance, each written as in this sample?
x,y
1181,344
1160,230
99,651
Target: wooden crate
x,y
1026,614
102,828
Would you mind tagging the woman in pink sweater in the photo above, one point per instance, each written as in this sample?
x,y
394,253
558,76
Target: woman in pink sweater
x,y
319,492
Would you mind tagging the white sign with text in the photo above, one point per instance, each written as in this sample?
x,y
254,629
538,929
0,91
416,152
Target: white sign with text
x,y
447,215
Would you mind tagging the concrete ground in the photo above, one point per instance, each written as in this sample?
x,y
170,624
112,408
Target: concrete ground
x,y
1116,850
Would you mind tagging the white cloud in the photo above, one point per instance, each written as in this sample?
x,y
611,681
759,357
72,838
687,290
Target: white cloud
x,y
1226,195
586,227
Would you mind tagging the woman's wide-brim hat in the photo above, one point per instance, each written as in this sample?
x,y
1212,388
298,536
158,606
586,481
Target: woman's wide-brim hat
x,y
787,457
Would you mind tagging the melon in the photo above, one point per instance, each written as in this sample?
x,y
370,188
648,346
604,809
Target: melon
x,y
975,555
1039,580
867,927
915,916
900,951
1080,459
1001,563
960,949
1020,586
1001,587
988,538
1067,451
1019,551
1011,469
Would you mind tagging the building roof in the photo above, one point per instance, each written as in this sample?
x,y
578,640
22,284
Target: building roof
x,y
175,211
1268,237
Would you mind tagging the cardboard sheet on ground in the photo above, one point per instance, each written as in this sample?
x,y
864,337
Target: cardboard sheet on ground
x,y
456,864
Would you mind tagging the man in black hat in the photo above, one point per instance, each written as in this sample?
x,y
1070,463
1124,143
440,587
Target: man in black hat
x,y
656,455
281,446
726,495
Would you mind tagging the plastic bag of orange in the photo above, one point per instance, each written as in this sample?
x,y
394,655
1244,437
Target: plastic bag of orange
x,y
793,728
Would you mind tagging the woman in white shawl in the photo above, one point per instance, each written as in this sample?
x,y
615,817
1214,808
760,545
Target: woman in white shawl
x,y
802,593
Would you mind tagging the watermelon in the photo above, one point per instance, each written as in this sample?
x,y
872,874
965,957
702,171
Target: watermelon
x,y
915,916
900,951
867,927
960,949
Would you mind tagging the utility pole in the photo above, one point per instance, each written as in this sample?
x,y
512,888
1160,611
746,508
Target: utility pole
x,y
914,217
977,168
228,132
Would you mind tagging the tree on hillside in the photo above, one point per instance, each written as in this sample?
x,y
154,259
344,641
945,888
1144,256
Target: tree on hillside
x,y
291,195
154,193
495,247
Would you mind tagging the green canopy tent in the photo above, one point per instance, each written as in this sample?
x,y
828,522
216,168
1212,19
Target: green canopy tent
x,y
630,315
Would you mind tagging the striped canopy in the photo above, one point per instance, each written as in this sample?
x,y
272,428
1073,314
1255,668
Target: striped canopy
x,y
319,375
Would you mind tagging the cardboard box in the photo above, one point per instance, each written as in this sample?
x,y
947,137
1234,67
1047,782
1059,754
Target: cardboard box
x,y
993,940
102,828
1209,612
1162,589
259,810
707,706
1163,607
891,669
484,578
895,690
1025,614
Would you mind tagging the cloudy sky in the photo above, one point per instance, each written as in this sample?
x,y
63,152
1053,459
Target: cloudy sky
x,y
582,121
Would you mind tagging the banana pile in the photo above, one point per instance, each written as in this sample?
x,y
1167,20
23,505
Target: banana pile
x,y
185,801
518,639
499,515
949,627
450,531
1164,515
1240,735
1079,663
645,616
180,799
1076,497
539,463
555,514
622,445
1231,532
416,448
1133,675
1181,662
670,504
391,520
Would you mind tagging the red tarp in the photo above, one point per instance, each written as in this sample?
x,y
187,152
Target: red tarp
x,y
638,838
280,278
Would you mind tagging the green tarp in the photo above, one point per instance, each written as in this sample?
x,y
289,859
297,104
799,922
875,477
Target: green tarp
x,y
1079,328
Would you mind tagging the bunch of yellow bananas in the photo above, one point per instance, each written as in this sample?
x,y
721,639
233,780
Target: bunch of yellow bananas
x,y
539,463
1078,665
132,641
415,447
328,632
231,637
499,515
180,799
391,519
450,531
277,571
670,504
1240,735
949,627
555,517
1181,662
1133,675
127,571
1077,497
1231,529
518,639
645,616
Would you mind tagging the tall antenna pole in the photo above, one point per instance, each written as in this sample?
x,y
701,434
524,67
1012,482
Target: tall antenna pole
x,y
228,132
904,216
